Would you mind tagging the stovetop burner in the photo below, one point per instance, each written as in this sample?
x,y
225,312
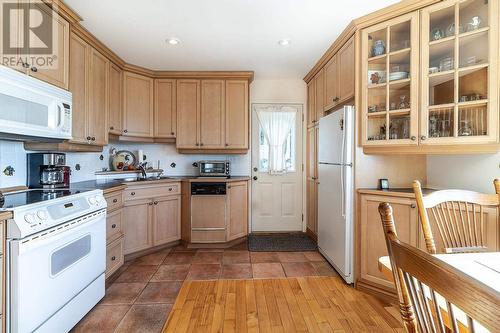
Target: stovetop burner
x,y
22,198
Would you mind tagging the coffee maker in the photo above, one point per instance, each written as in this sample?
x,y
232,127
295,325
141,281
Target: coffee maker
x,y
48,170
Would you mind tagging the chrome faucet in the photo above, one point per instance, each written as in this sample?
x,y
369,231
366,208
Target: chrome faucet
x,y
141,167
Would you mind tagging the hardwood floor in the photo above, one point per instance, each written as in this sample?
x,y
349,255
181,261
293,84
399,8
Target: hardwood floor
x,y
303,304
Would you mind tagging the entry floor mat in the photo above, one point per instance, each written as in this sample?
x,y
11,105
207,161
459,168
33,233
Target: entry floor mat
x,y
281,242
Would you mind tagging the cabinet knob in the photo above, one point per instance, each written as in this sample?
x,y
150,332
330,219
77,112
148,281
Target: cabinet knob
x,y
227,144
201,144
413,206
125,131
229,186
335,99
34,69
132,193
115,200
255,178
151,204
89,138
413,138
111,127
156,202
93,138
423,137
172,133
113,258
170,189
26,65
113,226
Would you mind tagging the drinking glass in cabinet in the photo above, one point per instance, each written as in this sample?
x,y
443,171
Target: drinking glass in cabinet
x,y
473,120
400,36
473,85
376,128
441,57
440,21
376,99
473,49
441,122
399,127
473,15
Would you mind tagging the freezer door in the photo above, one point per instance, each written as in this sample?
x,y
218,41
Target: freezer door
x,y
336,137
335,217
331,138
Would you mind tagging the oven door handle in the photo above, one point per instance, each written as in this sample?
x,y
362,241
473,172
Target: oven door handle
x,y
56,233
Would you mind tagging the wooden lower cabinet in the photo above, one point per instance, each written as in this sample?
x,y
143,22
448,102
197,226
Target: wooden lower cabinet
x,y
166,220
312,206
237,214
114,256
114,231
371,240
153,221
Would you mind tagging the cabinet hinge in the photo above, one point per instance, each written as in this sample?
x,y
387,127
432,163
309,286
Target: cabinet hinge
x,y
302,217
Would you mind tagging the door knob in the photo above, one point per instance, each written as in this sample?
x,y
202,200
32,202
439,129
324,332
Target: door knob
x,y
255,178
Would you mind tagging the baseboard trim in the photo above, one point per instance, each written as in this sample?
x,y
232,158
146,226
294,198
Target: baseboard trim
x,y
311,234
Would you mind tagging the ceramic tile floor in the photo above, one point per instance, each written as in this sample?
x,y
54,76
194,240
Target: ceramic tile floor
x,y
140,299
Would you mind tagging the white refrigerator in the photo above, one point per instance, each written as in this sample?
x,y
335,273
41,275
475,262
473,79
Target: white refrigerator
x,y
335,190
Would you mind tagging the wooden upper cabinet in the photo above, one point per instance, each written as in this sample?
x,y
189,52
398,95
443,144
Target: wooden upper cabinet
x,y
212,114
138,105
97,120
78,85
237,215
59,74
331,83
188,111
237,114
166,224
312,153
311,103
320,94
165,124
346,64
115,108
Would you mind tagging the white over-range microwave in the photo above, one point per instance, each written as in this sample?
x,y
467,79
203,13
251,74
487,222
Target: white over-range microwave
x,y
32,110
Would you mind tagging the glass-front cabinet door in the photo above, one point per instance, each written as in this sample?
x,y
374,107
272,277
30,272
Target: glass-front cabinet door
x,y
389,104
459,87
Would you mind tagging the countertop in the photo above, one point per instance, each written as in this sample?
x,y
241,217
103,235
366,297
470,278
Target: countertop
x,y
110,185
5,215
395,192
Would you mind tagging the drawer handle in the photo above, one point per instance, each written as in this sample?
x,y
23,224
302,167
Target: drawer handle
x,y
413,206
115,200
170,189
156,202
132,193
111,127
151,204
113,258
125,131
113,226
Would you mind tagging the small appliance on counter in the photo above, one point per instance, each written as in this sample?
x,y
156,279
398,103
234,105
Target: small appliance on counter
x,y
214,168
48,170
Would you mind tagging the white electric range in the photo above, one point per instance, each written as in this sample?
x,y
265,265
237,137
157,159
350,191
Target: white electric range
x,y
56,246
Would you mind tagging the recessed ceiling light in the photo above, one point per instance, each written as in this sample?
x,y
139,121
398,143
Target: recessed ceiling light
x,y
284,42
173,41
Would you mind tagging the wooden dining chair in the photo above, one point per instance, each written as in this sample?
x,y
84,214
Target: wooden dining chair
x,y
434,296
459,217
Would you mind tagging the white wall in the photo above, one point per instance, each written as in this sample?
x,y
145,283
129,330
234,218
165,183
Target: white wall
x,y
13,153
469,172
278,91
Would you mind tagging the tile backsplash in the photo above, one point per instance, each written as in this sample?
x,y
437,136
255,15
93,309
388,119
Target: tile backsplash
x,y
13,154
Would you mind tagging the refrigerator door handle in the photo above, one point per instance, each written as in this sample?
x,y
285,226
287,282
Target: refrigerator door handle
x,y
342,196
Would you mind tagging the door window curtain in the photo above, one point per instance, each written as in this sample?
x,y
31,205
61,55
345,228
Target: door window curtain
x,y
276,123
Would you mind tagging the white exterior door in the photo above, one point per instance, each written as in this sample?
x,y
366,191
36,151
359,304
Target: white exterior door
x,y
277,198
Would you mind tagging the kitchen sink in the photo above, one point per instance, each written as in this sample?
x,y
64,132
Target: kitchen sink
x,y
141,179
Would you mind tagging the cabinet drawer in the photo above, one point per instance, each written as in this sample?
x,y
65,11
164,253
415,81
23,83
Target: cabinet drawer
x,y
114,200
114,225
114,256
208,236
151,191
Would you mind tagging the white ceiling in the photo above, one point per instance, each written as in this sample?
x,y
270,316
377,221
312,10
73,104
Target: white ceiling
x,y
222,34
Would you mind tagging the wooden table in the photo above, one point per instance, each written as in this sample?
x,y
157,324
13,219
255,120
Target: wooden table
x,y
483,267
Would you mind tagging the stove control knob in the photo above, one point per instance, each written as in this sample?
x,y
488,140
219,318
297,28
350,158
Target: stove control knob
x,y
29,218
92,201
42,215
